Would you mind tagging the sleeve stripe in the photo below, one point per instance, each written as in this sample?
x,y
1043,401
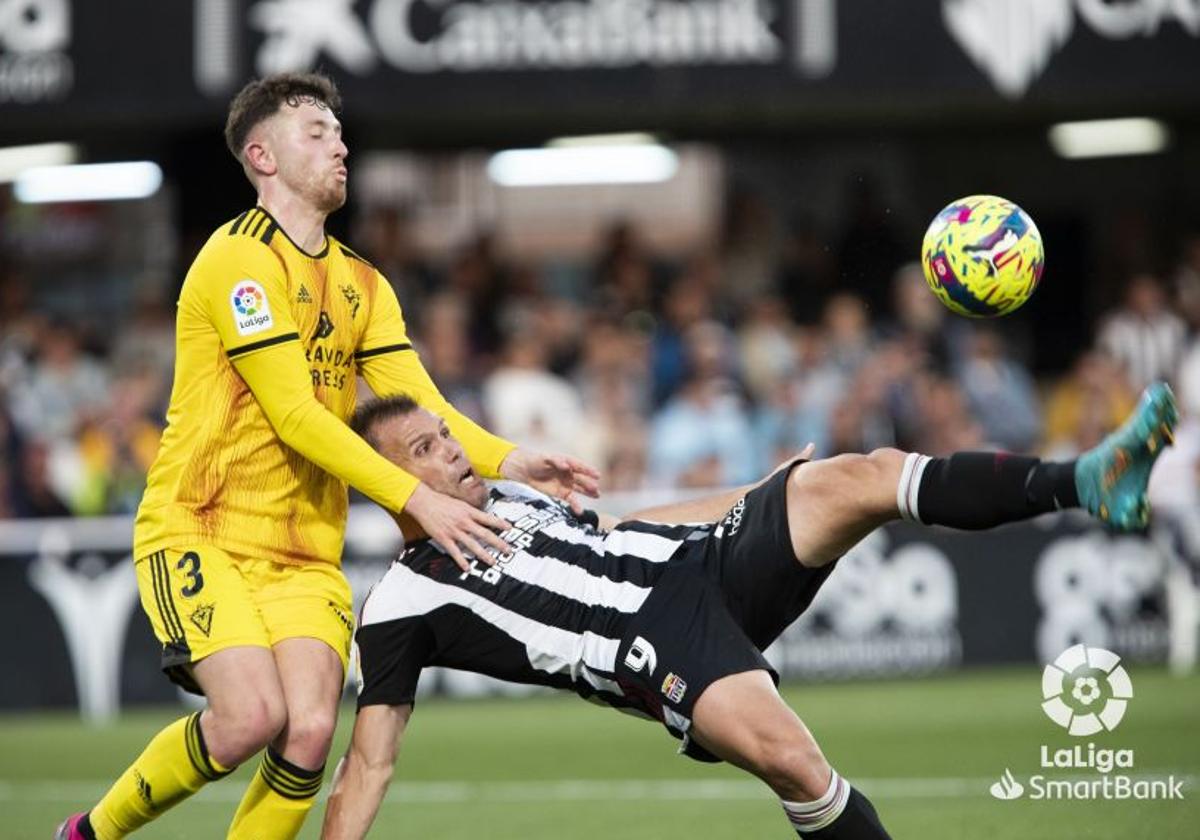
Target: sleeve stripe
x,y
238,223
258,345
379,351
269,233
262,218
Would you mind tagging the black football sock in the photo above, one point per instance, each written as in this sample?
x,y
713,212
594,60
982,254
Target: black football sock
x,y
977,490
841,814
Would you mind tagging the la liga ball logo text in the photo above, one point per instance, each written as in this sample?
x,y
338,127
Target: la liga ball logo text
x,y
1086,691
251,309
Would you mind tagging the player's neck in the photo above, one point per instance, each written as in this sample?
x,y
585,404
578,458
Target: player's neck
x,y
303,223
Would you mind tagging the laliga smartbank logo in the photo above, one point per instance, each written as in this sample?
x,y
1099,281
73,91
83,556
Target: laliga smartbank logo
x,y
1099,690
1086,691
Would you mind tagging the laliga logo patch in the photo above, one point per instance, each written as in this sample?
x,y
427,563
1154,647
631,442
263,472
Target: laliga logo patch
x,y
251,310
1086,690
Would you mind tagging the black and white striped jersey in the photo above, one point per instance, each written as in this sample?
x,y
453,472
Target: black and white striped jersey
x,y
553,612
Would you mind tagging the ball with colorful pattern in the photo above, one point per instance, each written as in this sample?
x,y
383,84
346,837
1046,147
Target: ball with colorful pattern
x,y
983,256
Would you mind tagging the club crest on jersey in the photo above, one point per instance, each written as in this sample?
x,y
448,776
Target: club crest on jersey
x,y
251,310
202,617
674,687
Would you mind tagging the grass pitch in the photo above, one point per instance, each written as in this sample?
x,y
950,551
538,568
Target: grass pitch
x,y
925,751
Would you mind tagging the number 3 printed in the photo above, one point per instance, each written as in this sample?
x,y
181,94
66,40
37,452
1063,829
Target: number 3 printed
x,y
191,560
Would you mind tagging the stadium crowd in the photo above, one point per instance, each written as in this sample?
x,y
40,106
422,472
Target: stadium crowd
x,y
698,372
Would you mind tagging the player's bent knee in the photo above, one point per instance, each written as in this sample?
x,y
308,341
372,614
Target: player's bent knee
x,y
309,735
239,734
794,768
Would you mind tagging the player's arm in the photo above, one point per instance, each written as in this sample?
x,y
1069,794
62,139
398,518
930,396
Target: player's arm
x,y
390,365
706,508
363,775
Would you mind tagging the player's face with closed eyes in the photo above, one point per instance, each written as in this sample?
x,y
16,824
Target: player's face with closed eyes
x,y
307,141
421,443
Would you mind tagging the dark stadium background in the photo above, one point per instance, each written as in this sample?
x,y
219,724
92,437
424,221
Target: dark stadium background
x,y
825,135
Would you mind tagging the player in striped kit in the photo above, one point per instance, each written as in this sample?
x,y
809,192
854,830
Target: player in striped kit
x,y
664,614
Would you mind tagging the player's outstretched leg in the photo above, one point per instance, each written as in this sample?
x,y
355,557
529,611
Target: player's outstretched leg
x,y
834,503
743,720
246,710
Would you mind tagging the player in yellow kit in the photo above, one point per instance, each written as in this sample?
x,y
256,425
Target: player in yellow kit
x,y
239,535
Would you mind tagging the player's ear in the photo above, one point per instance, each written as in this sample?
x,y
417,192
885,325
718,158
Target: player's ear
x,y
258,157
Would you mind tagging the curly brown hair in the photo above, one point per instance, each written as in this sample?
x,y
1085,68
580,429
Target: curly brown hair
x,y
262,98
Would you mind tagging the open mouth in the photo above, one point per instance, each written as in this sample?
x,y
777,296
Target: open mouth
x,y
467,475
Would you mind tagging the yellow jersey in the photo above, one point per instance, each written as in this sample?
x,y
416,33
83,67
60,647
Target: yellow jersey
x,y
270,341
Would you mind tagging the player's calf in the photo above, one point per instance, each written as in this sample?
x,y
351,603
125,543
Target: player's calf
x,y
743,720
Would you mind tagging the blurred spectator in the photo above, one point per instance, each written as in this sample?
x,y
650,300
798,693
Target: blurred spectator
x,y
687,303
625,278
386,240
10,460
116,449
446,353
33,496
922,323
798,411
1084,407
870,249
946,424
623,466
766,348
703,436
1144,335
532,407
848,332
805,278
749,250
20,329
1000,393
1175,483
480,278
1187,281
63,387
613,373
147,340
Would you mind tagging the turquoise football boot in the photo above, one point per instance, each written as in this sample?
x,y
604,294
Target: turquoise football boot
x,y
1111,479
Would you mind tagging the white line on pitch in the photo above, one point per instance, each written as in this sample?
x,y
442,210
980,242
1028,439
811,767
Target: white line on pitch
x,y
562,790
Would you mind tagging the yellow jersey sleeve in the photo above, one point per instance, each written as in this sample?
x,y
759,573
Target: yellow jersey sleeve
x,y
279,379
240,285
387,360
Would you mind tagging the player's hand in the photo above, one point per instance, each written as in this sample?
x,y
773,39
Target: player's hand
x,y
457,527
555,475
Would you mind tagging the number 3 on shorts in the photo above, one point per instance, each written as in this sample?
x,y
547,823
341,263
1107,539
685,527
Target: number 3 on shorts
x,y
189,564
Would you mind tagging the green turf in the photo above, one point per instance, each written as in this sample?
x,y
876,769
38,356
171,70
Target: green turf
x,y
929,748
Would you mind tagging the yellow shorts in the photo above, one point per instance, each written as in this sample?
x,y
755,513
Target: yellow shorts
x,y
203,599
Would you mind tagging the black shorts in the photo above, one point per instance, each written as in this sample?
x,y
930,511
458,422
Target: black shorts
x,y
726,598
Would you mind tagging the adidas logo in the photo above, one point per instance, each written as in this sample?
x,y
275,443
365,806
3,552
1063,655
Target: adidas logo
x,y
304,296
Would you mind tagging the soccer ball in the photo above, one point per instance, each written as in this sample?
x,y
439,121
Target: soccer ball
x,y
982,256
